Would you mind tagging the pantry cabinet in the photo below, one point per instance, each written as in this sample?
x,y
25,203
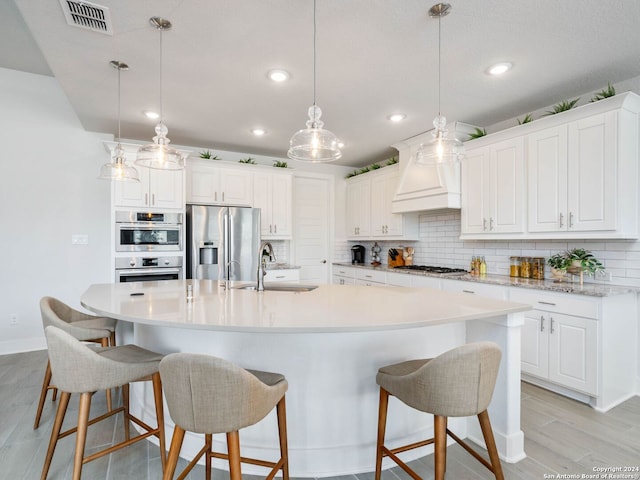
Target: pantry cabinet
x,y
493,188
369,214
272,193
214,184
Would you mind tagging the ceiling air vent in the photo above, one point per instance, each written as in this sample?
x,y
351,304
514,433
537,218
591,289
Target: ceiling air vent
x,y
87,15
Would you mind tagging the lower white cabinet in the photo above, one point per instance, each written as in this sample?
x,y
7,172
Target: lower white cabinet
x,y
343,275
289,275
484,290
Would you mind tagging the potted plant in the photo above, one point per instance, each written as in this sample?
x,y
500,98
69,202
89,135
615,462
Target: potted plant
x,y
559,264
584,259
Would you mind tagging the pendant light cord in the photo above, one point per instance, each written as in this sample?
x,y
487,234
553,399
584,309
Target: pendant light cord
x,y
439,62
314,52
160,76
119,72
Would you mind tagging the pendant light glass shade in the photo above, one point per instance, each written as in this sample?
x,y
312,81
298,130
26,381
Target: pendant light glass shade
x,y
159,154
118,169
441,149
314,144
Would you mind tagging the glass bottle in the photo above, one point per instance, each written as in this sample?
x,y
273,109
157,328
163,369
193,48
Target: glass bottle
x,y
483,267
514,266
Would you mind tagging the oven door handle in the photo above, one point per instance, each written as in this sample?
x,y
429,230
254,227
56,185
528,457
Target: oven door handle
x,y
147,271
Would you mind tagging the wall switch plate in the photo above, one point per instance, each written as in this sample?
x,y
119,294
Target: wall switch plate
x,y
13,319
79,239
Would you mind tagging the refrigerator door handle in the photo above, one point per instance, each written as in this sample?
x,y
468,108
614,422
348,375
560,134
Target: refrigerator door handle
x,y
224,229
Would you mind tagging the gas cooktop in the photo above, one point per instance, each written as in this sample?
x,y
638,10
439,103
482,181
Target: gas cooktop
x,y
432,269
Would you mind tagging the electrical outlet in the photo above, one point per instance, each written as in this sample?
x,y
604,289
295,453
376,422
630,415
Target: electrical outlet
x,y
13,319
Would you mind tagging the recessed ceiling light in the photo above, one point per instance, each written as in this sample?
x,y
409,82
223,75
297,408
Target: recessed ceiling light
x,y
278,76
499,68
151,115
258,132
397,117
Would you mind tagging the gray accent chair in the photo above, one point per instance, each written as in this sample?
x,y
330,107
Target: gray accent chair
x,y
85,327
457,383
77,368
209,395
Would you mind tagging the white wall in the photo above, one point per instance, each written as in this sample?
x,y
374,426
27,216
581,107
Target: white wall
x,y
48,192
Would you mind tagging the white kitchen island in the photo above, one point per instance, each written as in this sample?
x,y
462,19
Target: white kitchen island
x,y
329,343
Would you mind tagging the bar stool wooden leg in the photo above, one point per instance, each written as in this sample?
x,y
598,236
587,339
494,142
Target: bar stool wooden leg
x,y
174,453
233,449
489,440
382,425
43,394
208,443
55,432
157,396
104,342
125,405
440,454
81,433
281,411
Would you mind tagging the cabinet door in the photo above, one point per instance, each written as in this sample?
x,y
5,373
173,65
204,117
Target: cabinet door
x,y
535,344
165,188
592,167
281,194
394,222
203,183
236,187
133,194
573,352
359,208
475,185
506,191
262,200
547,174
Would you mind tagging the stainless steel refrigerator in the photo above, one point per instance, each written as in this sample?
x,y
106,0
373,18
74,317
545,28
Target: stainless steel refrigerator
x,y
222,242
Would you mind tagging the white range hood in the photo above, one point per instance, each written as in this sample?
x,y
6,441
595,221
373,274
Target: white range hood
x,y
423,188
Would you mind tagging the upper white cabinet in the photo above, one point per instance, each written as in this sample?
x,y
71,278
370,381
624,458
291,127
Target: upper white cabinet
x,y
493,186
160,189
581,176
212,183
272,193
369,212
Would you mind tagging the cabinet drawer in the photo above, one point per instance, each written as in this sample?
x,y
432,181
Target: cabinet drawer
x,y
283,275
399,279
490,291
371,275
344,271
558,303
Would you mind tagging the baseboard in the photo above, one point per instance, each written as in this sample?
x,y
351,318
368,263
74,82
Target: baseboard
x,y
22,345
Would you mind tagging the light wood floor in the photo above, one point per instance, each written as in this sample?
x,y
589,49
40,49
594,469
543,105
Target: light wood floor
x,y
561,436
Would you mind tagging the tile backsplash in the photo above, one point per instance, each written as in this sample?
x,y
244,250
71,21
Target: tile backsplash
x,y
439,244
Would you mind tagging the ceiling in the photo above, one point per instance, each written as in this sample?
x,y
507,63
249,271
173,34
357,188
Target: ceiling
x,y
374,58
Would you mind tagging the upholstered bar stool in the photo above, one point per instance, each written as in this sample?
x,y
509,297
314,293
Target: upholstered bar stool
x,y
210,395
458,383
85,327
76,368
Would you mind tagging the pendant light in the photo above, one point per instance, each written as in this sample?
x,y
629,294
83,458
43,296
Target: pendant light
x,y
441,149
118,169
314,144
159,154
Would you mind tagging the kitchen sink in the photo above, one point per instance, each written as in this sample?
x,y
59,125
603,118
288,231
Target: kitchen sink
x,y
281,287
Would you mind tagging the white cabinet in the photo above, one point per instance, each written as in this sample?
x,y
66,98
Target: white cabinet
x,y
212,183
343,275
558,343
290,275
272,193
473,288
157,189
572,176
359,207
369,277
369,212
493,188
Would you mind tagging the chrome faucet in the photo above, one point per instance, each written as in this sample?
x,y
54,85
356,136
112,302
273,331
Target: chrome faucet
x,y
262,264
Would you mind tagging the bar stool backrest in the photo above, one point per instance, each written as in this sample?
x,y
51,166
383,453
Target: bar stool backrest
x,y
56,313
206,394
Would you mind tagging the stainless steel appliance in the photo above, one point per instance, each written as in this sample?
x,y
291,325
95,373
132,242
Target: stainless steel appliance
x,y
222,242
145,269
357,254
148,231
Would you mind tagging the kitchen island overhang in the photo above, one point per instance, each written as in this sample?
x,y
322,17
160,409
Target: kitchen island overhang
x,y
329,343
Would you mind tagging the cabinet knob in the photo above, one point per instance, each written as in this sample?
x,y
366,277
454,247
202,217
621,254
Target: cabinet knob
x,y
324,261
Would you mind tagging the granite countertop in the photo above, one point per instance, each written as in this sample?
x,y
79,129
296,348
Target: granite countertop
x,y
592,289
